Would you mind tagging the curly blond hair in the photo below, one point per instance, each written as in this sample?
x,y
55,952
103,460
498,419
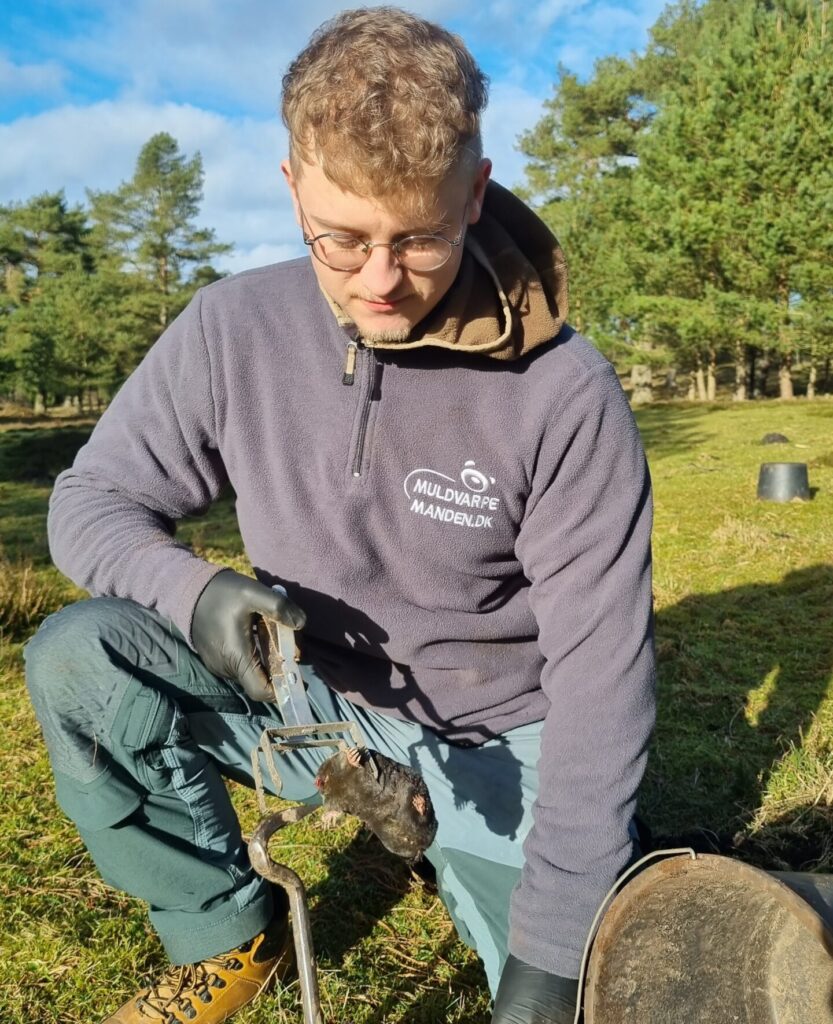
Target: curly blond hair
x,y
387,104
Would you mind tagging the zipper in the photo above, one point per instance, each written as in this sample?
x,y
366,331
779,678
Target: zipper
x,y
367,398
349,375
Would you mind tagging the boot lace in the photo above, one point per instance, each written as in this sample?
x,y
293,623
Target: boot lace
x,y
181,989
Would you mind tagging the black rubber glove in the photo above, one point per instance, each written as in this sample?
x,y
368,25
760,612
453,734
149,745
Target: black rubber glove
x,y
528,995
221,630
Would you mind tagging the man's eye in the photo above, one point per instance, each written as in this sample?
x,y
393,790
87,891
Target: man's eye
x,y
419,243
346,243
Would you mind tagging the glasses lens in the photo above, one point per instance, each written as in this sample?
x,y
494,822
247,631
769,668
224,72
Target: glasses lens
x,y
419,252
424,252
342,252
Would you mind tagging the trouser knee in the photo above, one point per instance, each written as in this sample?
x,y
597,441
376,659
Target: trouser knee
x,y
81,666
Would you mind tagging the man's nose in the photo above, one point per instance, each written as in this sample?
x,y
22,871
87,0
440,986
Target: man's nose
x,y
382,274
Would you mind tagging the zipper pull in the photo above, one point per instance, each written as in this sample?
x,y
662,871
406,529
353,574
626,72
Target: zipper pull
x,y
349,374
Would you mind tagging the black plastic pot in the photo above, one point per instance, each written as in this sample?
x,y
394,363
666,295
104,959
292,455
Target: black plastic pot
x,y
712,941
783,481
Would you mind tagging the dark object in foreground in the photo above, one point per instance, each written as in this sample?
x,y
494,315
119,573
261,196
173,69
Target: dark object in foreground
x,y
775,439
388,797
783,481
528,995
712,939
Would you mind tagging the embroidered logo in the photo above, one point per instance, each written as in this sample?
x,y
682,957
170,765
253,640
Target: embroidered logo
x,y
441,497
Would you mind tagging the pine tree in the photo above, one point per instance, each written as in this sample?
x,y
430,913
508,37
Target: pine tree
x,y
145,230
43,244
692,187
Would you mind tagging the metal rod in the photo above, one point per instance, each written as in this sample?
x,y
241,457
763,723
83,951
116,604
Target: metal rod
x,y
285,877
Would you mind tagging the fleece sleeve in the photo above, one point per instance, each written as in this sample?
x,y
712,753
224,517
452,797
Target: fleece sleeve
x,y
151,460
585,548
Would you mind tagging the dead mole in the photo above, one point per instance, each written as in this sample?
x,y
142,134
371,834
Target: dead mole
x,y
391,799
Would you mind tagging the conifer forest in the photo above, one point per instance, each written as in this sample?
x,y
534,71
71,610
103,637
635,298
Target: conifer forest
x,y
690,185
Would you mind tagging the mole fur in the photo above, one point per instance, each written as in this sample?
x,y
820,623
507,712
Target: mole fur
x,y
391,799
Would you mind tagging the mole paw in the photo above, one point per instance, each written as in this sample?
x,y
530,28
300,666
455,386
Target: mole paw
x,y
330,819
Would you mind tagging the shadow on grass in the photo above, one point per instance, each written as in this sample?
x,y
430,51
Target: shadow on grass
x,y
363,883
742,675
30,459
668,428
23,514
362,886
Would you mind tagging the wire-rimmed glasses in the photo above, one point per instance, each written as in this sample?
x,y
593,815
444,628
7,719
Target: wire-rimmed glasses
x,y
422,253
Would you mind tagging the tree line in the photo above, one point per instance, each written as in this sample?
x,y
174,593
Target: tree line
x,y
85,291
692,188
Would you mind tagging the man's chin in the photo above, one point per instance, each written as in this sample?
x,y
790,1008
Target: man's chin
x,y
385,334
374,329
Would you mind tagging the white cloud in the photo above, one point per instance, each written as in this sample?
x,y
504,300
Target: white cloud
x,y
74,148
230,57
245,198
259,256
602,28
30,79
511,111
227,54
544,15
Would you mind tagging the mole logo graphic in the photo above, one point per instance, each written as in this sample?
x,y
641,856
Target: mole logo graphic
x,y
463,503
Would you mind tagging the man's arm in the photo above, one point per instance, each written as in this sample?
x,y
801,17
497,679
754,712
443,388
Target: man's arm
x,y
152,459
585,547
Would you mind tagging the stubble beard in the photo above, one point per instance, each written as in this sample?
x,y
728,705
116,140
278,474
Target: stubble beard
x,y
396,334
388,334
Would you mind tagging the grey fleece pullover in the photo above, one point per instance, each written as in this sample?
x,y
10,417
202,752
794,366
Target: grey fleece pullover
x,y
469,539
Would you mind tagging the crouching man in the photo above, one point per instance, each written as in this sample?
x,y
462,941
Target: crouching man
x,y
448,482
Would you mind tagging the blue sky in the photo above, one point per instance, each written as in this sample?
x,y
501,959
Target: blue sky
x,y
84,83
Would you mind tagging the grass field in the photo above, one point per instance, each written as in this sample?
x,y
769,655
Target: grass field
x,y
743,747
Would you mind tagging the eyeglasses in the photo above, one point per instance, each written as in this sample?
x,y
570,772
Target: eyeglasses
x,y
422,253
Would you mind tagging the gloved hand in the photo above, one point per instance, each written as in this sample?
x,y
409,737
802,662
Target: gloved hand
x,y
528,995
221,629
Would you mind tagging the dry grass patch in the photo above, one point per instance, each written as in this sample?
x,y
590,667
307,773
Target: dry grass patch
x,y
28,595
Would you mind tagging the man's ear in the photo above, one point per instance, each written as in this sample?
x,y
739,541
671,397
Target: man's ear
x,y
481,180
286,170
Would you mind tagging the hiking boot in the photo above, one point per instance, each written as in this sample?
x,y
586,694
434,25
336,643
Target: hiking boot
x,y
211,991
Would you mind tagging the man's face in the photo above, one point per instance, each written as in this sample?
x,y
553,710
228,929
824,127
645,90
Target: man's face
x,y
384,299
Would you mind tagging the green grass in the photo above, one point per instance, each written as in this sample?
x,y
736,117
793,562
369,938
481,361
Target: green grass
x,y
743,747
744,591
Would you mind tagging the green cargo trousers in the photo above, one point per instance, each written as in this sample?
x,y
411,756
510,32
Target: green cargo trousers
x,y
140,736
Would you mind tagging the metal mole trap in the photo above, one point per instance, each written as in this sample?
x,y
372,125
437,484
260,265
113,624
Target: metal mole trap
x,y
276,643
284,739
273,743
276,646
